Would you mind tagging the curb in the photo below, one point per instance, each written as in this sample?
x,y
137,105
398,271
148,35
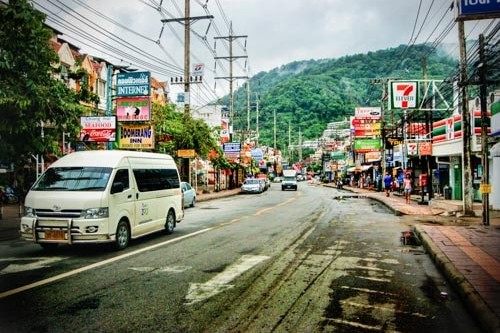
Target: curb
x,y
485,317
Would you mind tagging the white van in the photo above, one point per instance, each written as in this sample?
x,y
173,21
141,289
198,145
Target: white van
x,y
103,196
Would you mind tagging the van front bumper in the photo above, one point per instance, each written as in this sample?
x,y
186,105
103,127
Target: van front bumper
x,y
64,231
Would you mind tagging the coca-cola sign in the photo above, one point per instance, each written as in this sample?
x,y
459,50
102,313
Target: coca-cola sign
x,y
98,129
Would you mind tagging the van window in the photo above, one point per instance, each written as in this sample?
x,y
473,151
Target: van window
x,y
73,179
156,179
122,177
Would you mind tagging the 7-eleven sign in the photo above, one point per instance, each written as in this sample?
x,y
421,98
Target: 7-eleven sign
x,y
404,94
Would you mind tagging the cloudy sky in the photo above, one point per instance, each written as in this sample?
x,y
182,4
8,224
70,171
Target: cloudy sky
x,y
279,31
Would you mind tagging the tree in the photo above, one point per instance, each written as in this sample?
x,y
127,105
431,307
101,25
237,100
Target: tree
x,y
30,95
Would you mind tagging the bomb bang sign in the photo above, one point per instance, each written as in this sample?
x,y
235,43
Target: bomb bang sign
x,y
136,137
133,109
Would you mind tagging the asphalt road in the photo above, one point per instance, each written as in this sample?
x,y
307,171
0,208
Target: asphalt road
x,y
304,261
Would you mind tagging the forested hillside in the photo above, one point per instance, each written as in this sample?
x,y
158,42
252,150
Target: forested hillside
x,y
309,94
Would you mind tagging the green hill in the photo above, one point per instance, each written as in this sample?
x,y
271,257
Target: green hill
x,y
309,94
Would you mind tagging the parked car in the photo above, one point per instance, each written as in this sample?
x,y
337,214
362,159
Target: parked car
x,y
252,185
188,194
263,183
267,182
277,179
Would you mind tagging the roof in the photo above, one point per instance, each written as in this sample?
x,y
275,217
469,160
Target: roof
x,y
103,158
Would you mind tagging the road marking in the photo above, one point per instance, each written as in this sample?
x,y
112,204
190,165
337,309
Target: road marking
x,y
39,262
200,291
167,269
260,212
99,264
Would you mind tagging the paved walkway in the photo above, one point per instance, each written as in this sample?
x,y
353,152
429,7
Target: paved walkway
x,y
467,252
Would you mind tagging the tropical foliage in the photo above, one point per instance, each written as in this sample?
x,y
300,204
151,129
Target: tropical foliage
x,y
307,95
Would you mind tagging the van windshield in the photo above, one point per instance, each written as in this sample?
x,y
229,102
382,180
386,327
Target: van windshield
x,y
73,179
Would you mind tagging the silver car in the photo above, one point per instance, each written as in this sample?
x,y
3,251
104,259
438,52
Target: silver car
x,y
252,185
188,194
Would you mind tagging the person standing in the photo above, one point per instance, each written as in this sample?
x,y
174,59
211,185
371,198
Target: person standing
x,y
407,187
387,183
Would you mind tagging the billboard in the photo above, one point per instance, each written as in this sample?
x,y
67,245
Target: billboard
x,y
136,137
368,112
404,95
98,129
367,145
476,7
133,84
133,109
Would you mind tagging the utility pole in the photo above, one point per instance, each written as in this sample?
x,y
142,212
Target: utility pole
x,y
248,106
466,127
231,38
428,130
300,145
274,128
257,116
484,131
187,19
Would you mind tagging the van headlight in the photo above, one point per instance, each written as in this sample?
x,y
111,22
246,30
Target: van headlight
x,y
96,213
29,212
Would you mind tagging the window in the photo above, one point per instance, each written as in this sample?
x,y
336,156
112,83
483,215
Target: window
x,y
101,88
73,179
156,179
122,177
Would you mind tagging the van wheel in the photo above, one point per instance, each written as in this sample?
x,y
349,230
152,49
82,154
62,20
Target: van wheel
x,y
122,235
170,222
49,246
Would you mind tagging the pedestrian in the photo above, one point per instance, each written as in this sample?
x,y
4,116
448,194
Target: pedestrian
x,y
387,183
407,187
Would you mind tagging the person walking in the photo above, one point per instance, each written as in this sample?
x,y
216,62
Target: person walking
x,y
407,187
387,184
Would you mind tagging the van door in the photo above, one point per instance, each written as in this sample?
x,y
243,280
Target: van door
x,y
121,203
146,200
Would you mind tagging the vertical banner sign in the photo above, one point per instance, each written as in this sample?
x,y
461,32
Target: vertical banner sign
x,y
404,94
133,84
98,129
133,109
136,137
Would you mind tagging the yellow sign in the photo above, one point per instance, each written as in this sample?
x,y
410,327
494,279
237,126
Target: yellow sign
x,y
136,137
186,153
485,188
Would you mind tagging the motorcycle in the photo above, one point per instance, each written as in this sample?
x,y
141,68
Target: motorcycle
x,y
9,196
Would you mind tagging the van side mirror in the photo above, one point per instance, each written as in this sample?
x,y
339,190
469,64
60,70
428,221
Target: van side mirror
x,y
117,187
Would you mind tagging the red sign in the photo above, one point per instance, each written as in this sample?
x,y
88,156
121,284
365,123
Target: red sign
x,y
424,148
98,129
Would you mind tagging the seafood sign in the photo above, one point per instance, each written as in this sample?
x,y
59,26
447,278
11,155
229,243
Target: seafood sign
x,y
98,129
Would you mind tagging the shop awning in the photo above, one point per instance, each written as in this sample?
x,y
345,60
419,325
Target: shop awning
x,y
359,169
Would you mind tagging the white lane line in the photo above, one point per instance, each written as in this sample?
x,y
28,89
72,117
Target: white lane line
x,y
201,291
98,264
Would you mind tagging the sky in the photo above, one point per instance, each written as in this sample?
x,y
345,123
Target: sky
x,y
270,33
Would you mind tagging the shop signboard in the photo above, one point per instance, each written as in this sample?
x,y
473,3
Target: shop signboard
x,y
136,136
98,129
367,145
133,84
133,109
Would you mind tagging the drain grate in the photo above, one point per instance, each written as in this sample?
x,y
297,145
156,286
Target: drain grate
x,y
410,238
